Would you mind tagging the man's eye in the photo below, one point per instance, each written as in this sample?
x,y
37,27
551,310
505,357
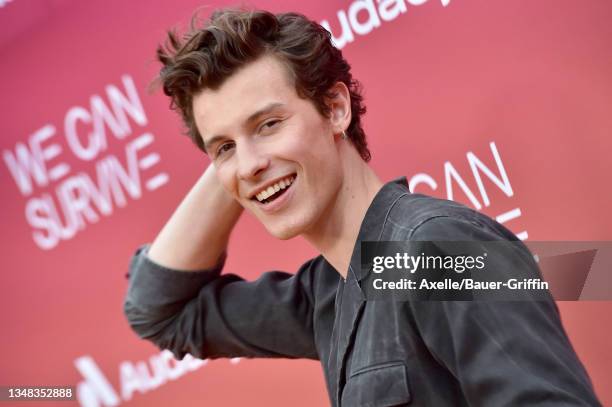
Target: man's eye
x,y
223,148
270,124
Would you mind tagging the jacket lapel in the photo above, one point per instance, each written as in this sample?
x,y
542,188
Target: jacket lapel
x,y
351,308
350,296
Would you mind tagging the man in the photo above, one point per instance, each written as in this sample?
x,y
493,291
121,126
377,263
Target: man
x,y
274,105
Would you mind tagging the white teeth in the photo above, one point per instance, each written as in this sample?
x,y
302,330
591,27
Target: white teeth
x,y
271,190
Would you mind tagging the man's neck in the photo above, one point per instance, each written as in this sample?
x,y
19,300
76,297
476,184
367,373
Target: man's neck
x,y
335,236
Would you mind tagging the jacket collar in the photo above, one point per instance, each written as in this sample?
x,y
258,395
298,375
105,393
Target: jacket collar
x,y
374,220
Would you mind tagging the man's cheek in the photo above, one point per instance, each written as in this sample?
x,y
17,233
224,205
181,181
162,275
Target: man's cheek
x,y
229,183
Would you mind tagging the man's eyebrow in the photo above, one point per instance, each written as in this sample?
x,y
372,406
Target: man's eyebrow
x,y
263,111
252,118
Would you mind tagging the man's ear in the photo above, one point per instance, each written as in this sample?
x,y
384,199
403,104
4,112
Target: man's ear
x,y
340,108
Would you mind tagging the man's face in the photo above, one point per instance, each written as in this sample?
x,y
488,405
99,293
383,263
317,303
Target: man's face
x,y
273,151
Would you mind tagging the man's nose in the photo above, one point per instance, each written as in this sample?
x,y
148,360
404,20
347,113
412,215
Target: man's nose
x,y
251,161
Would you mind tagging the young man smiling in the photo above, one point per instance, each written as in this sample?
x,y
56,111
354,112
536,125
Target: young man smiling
x,y
260,133
273,104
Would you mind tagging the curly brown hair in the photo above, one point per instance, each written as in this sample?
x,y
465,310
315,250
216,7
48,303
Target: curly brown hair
x,y
206,56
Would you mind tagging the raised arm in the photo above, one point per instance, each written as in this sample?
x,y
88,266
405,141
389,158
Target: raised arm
x,y
196,235
178,299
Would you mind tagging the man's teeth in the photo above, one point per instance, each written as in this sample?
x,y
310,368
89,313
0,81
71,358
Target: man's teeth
x,y
282,184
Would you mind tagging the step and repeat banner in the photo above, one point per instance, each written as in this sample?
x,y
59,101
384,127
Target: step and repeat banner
x,y
505,106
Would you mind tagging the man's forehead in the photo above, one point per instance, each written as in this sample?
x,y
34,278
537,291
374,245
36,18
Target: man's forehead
x,y
255,86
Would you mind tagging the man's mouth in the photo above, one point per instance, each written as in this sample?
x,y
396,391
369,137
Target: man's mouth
x,y
274,191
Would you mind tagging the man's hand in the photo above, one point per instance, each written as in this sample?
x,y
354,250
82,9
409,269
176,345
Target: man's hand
x,y
197,233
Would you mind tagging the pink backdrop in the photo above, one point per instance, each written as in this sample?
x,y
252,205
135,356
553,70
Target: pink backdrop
x,y
502,105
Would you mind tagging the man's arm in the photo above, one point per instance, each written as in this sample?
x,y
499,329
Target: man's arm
x,y
210,315
196,235
503,353
178,299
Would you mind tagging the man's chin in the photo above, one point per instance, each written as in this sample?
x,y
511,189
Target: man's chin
x,y
283,232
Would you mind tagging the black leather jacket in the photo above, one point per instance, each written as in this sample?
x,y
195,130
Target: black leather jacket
x,y
374,353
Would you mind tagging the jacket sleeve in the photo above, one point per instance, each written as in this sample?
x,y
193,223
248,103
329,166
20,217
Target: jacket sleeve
x,y
210,315
503,353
